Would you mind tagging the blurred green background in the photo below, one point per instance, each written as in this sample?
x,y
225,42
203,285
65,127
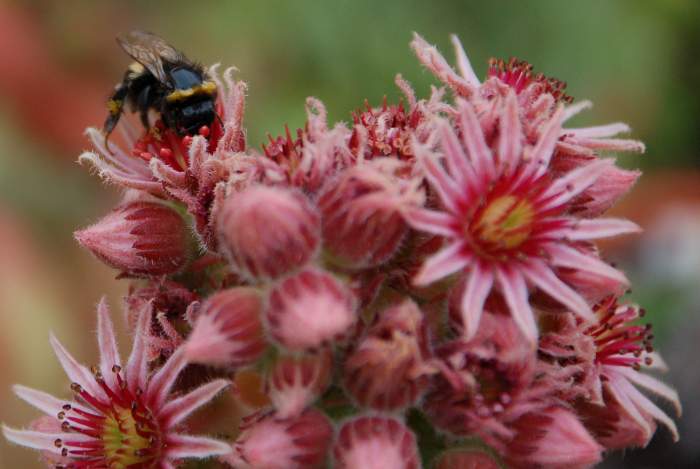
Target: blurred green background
x,y
638,60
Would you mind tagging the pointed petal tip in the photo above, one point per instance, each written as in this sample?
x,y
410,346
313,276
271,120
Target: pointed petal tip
x,y
188,446
87,157
8,432
55,343
81,236
28,438
417,37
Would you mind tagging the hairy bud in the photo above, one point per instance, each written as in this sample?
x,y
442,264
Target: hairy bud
x,y
268,231
139,238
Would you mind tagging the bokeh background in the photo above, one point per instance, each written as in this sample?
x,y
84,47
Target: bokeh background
x,y
638,60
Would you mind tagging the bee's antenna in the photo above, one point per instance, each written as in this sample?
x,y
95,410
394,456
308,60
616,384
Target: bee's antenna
x,y
221,122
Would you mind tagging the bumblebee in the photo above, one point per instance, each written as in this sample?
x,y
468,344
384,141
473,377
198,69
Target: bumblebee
x,y
164,80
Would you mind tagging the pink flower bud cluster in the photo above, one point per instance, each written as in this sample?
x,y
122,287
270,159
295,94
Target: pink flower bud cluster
x,y
424,274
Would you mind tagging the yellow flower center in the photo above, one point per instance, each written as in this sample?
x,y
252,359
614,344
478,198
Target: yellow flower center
x,y
130,437
503,224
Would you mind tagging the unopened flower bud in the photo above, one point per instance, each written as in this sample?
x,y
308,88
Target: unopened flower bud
x,y
273,443
610,186
552,438
309,309
268,231
465,459
228,330
361,213
139,238
390,367
295,382
375,443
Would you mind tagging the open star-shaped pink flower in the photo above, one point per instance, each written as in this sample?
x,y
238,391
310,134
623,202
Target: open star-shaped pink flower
x,y
504,215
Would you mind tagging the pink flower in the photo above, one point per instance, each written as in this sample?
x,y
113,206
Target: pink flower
x,y
375,442
505,219
487,383
227,329
268,231
361,212
139,238
518,75
316,155
390,367
611,354
387,130
120,416
296,381
270,442
537,95
310,309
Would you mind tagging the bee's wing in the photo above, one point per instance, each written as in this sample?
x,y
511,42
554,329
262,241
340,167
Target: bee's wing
x,y
150,50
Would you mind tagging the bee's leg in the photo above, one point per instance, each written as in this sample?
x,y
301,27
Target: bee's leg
x,y
143,103
115,104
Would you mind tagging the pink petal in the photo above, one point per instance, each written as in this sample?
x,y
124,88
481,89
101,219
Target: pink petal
x,y
477,289
446,262
457,162
463,64
187,446
598,131
109,354
177,410
610,144
432,59
114,175
446,188
473,139
516,294
40,440
544,148
160,384
509,144
120,159
571,111
76,372
645,405
619,387
431,221
654,385
598,228
137,365
572,184
565,256
41,400
543,277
